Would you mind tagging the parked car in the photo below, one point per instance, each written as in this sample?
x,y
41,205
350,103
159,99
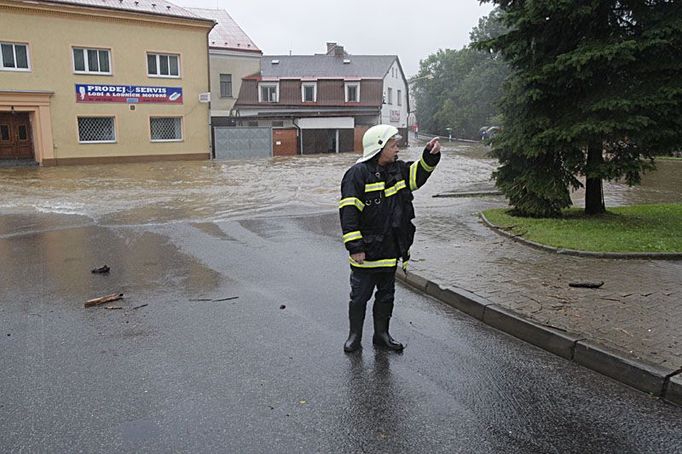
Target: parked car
x,y
490,132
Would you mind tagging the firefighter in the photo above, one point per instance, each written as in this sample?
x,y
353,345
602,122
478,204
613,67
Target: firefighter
x,y
376,219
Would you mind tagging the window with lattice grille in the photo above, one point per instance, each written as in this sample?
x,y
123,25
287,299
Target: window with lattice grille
x,y
165,129
96,129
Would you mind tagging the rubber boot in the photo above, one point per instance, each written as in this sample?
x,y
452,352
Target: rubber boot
x,y
356,316
381,336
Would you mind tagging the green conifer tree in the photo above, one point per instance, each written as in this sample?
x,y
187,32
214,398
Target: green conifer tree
x,y
595,92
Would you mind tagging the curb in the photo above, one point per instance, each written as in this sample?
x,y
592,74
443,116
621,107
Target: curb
x,y
467,194
598,255
639,374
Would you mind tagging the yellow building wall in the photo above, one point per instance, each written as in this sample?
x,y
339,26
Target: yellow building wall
x,y
226,62
51,35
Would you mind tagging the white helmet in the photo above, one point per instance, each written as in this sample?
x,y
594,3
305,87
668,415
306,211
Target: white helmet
x,y
375,139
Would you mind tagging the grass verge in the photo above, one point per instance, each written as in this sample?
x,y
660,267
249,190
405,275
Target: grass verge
x,y
637,228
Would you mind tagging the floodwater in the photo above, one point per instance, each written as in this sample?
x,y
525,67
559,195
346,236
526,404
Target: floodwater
x,y
215,190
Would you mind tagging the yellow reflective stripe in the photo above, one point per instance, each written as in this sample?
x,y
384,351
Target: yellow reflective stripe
x,y
375,186
352,201
426,167
385,263
352,236
413,176
394,189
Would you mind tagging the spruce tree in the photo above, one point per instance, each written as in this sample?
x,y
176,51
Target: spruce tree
x,y
595,92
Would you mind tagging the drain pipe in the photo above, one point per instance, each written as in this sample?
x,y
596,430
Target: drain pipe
x,y
299,133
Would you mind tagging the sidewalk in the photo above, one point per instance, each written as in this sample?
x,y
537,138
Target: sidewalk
x,y
629,329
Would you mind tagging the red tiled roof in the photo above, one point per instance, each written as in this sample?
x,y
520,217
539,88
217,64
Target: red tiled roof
x,y
227,34
160,7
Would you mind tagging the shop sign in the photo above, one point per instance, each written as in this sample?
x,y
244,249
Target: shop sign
x,y
131,94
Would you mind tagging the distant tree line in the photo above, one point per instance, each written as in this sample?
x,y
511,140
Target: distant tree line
x,y
590,91
461,89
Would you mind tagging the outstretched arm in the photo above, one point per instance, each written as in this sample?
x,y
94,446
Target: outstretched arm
x,y
420,171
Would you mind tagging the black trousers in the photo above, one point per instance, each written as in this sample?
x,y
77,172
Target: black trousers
x,y
363,283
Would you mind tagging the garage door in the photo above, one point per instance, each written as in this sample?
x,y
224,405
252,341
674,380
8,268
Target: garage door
x,y
240,143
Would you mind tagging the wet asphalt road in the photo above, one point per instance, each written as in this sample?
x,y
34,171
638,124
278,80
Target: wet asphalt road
x,y
243,375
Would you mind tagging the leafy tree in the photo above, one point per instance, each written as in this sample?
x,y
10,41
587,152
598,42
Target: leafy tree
x,y
595,92
461,89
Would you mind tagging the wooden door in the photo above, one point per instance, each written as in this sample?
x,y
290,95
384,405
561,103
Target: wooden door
x,y
16,136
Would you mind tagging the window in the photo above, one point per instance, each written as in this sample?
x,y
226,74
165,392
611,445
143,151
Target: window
x,y
23,133
165,129
390,96
14,57
268,93
163,65
226,85
353,92
309,92
400,98
96,130
278,123
91,61
4,133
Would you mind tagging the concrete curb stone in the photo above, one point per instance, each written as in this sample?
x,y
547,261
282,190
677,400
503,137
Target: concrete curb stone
x,y
461,300
551,339
653,379
673,391
621,366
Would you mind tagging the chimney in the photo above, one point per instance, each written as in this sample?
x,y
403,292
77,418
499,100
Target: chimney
x,y
330,48
339,52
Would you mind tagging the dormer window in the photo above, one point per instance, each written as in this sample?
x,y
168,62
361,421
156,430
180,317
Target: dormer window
x,y
309,92
353,92
268,92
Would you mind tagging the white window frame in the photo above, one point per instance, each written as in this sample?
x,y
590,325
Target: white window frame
x,y
87,63
158,56
399,98
182,129
357,90
14,52
113,118
262,85
304,85
389,95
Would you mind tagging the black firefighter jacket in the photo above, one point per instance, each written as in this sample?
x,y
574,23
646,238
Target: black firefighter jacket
x,y
376,210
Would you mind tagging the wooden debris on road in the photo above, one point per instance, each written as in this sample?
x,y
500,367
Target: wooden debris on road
x,y
586,284
103,299
213,300
141,305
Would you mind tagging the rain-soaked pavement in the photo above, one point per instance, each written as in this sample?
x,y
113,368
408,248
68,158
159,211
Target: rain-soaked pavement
x,y
195,371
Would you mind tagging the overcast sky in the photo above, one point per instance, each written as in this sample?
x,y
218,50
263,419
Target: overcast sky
x,y
410,29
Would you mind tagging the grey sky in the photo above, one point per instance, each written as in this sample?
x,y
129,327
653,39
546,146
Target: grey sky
x,y
411,29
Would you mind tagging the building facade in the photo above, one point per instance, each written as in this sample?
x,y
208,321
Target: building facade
x,y
102,82
232,56
323,103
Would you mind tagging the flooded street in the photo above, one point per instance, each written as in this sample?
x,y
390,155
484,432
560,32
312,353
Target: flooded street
x,y
150,193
